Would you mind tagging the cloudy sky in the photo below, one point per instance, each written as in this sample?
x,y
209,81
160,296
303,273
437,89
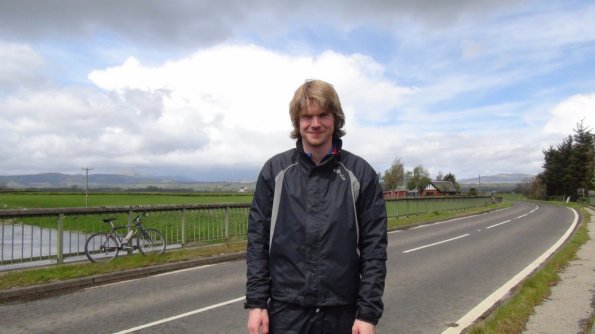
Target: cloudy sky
x,y
201,88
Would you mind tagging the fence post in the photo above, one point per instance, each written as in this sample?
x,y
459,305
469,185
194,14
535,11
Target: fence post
x,y
417,209
183,228
227,223
129,225
60,240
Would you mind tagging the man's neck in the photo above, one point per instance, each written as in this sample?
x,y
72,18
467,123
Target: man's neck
x,y
318,153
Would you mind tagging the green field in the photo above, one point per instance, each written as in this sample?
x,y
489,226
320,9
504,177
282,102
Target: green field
x,y
59,200
196,224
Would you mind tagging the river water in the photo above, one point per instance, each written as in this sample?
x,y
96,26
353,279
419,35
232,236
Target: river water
x,y
25,245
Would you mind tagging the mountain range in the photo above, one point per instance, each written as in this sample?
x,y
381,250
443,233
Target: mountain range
x,y
115,181
498,178
78,181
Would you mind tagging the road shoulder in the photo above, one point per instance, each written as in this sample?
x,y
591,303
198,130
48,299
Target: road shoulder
x,y
571,301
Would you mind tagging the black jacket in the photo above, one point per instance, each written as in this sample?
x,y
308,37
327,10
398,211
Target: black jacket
x,y
317,234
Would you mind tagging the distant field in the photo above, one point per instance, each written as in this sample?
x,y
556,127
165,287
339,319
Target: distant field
x,y
52,200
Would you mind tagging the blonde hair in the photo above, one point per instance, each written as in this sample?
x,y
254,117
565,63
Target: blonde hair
x,y
321,93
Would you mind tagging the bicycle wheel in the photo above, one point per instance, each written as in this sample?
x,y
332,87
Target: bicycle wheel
x,y
101,247
151,241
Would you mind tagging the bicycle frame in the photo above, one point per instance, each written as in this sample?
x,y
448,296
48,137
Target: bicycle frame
x,y
137,238
136,229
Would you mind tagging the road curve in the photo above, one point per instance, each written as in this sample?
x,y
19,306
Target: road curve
x,y
437,274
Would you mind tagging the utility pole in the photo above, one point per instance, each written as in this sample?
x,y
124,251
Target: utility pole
x,y
87,169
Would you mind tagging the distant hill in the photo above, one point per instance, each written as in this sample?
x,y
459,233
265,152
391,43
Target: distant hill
x,y
116,181
498,182
498,178
494,183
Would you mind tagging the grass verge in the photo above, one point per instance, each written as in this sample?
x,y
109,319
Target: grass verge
x,y
35,276
435,216
511,316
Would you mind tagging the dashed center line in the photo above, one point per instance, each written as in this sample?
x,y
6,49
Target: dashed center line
x,y
504,222
436,243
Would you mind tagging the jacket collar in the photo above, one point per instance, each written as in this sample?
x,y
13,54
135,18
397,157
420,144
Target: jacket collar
x,y
333,155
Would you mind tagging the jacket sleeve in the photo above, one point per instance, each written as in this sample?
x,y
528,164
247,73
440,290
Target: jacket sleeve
x,y
257,255
372,244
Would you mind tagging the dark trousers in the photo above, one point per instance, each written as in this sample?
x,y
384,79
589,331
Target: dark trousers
x,y
285,318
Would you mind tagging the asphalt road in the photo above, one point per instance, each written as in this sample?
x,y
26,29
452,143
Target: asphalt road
x,y
436,274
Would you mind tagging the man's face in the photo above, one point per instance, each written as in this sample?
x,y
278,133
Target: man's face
x,y
316,127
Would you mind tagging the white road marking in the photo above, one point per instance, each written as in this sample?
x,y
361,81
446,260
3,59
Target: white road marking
x,y
436,243
446,221
420,226
132,280
497,295
187,269
522,216
504,222
183,315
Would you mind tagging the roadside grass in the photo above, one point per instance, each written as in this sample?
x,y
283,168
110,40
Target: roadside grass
x,y
35,276
436,216
589,324
512,315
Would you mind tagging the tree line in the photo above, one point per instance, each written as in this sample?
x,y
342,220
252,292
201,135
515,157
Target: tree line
x,y
396,177
568,169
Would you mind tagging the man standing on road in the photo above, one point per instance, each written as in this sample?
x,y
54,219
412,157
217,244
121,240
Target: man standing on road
x,y
317,230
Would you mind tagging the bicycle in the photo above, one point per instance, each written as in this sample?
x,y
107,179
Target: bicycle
x,y
103,247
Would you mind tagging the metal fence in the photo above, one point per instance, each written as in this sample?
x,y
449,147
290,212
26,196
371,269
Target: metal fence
x,y
414,206
58,235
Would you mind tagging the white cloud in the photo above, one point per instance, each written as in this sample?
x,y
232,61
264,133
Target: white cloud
x,y
465,154
240,91
227,106
20,66
459,86
221,106
565,116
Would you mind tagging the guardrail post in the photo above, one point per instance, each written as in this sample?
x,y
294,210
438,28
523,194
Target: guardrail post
x,y
60,240
183,222
226,223
129,225
417,209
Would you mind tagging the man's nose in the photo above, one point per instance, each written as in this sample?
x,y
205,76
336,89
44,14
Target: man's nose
x,y
315,121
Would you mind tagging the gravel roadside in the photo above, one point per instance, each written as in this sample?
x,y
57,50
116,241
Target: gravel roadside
x,y
572,300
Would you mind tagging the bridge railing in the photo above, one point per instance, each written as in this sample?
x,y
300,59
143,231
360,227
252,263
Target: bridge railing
x,y
59,234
